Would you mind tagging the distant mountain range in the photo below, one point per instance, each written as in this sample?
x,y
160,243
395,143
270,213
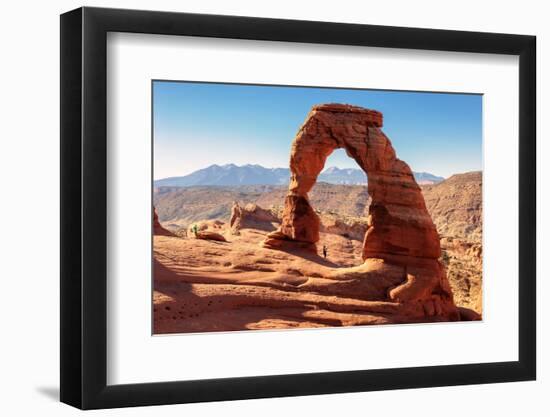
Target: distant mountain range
x,y
234,175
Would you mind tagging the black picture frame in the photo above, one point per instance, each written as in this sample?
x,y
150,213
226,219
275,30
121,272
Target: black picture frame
x,y
84,207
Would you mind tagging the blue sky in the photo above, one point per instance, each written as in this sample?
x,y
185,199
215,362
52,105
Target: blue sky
x,y
200,124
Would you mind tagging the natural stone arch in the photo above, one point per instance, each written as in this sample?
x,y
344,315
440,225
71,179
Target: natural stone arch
x,y
399,225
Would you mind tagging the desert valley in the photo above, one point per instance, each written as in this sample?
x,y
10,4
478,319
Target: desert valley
x,y
239,248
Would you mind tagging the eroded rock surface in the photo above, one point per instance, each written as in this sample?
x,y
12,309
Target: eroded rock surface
x,y
251,216
352,228
208,235
205,225
157,227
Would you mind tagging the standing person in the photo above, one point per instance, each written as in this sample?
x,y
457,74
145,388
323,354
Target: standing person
x,y
325,250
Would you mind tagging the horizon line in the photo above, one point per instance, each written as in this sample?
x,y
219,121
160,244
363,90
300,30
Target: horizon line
x,y
273,168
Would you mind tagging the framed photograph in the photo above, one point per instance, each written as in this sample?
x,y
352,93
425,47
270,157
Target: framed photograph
x,y
259,208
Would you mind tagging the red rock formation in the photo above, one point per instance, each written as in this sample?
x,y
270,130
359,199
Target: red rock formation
x,y
399,223
205,225
400,229
351,228
157,227
208,235
251,216
207,230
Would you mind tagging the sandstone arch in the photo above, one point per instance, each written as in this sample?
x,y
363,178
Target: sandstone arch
x,y
401,246
399,225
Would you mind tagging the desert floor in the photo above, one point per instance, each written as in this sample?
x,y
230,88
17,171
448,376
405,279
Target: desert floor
x,y
205,285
